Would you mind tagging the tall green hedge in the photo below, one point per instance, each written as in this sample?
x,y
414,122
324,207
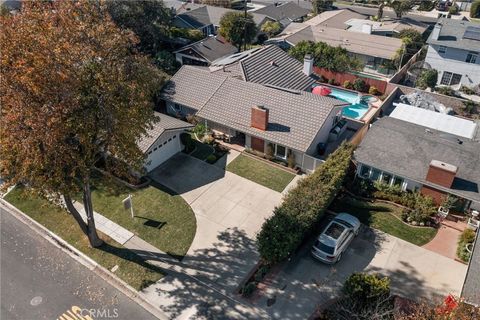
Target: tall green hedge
x,y
303,207
475,9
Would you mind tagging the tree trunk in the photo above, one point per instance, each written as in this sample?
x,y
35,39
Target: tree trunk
x,y
76,215
93,237
380,11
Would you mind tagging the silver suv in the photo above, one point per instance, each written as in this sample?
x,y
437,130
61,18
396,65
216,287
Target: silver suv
x,y
334,240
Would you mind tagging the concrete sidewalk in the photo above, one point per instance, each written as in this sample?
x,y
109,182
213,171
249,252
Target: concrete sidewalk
x,y
105,225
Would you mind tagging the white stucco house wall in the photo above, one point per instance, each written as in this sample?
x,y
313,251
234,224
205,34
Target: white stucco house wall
x,y
453,50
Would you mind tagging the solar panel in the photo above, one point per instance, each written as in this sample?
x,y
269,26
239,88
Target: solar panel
x,y
472,33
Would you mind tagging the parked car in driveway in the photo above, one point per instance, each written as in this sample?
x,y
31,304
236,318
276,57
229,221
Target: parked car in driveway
x,y
336,237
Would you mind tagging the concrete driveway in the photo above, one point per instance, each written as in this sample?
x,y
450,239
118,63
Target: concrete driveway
x,y
229,211
304,283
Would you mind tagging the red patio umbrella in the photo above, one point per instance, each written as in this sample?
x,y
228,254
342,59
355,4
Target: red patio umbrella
x,y
322,90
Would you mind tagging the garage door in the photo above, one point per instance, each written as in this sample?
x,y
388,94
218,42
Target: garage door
x,y
162,151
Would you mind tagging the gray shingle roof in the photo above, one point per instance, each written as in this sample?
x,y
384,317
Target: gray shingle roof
x,y
451,35
366,44
406,149
207,15
211,48
165,123
271,65
471,286
295,117
283,13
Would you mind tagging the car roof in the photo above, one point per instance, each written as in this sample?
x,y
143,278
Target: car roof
x,y
332,233
348,218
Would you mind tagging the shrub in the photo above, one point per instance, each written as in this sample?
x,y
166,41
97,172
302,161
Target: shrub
x,y
373,90
269,151
467,237
446,91
426,5
475,9
347,84
331,81
470,107
360,85
187,141
248,289
291,160
302,208
200,129
208,139
364,287
211,159
453,9
192,119
427,79
467,90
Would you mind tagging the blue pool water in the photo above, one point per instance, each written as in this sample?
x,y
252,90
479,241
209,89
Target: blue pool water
x,y
357,108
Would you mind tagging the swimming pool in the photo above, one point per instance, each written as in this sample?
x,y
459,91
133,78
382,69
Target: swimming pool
x,y
358,104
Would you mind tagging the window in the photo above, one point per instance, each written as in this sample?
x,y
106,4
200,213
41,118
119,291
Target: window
x,y
149,152
364,171
280,151
165,143
375,174
169,139
155,149
442,49
174,137
450,79
472,57
397,181
386,177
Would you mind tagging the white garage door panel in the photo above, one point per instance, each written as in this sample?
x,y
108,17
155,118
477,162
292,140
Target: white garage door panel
x,y
164,152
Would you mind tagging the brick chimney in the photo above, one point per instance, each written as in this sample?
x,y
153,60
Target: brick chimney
x,y
441,173
259,118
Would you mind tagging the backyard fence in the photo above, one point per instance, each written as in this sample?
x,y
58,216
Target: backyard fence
x,y
340,78
310,163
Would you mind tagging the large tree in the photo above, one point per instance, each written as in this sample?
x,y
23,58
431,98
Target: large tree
x,y
73,90
150,20
325,56
319,6
237,28
401,6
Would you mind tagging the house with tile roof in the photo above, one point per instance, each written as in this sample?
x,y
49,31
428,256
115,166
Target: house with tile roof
x,y
284,13
257,116
162,141
268,65
205,51
454,51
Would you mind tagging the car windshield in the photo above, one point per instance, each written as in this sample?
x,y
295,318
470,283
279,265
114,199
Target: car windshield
x,y
323,247
335,230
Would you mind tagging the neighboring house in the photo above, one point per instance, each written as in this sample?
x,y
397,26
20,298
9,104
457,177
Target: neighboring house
x,y
415,157
255,115
207,19
453,50
163,140
386,27
471,286
284,13
268,65
374,52
179,7
335,18
205,51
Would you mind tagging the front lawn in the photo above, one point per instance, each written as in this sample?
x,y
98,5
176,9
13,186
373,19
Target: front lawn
x,y
260,172
384,217
164,220
131,268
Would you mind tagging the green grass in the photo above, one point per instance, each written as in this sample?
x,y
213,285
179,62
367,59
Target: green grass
x,y
384,217
131,268
260,172
165,221
202,150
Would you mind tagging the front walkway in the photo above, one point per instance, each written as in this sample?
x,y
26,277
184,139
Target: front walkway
x,y
445,242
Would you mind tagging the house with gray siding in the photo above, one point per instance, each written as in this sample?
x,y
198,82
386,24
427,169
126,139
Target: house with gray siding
x,y
256,116
453,50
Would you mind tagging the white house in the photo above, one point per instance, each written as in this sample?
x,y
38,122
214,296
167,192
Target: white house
x,y
163,140
453,50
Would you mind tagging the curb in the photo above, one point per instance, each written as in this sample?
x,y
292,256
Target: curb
x,y
80,257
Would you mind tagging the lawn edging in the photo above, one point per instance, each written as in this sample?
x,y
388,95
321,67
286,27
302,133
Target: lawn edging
x,y
86,261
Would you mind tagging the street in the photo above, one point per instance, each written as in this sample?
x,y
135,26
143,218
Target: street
x,y
40,281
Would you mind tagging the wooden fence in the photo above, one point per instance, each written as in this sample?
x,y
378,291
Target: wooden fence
x,y
340,78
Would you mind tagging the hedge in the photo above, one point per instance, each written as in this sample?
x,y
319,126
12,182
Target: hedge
x,y
475,9
303,207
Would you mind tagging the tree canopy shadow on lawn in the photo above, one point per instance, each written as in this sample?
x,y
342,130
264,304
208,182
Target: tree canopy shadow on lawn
x,y
215,270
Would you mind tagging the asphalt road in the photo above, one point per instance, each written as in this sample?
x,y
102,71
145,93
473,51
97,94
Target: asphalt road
x,y
40,281
387,12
